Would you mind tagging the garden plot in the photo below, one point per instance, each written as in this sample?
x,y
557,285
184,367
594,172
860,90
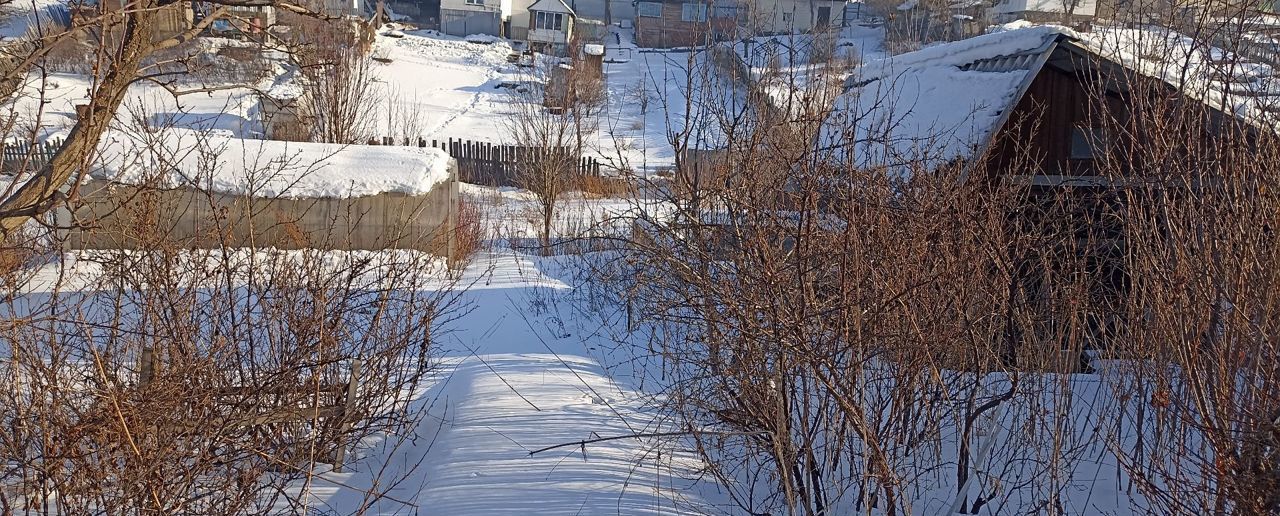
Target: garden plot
x,y
439,87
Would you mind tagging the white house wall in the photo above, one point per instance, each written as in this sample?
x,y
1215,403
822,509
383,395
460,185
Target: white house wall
x,y
1081,7
520,18
770,16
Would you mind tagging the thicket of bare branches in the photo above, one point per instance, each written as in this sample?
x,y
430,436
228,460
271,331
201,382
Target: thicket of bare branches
x,y
340,99
170,379
839,340
551,128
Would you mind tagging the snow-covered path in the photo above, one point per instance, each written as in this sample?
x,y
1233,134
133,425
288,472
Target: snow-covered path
x,y
519,377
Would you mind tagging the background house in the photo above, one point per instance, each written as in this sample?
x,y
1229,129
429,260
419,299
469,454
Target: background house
x,y
608,11
239,19
914,21
466,17
425,13
794,16
673,23
1045,10
550,25
171,19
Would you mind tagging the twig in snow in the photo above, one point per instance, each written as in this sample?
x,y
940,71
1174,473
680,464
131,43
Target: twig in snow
x,y
583,443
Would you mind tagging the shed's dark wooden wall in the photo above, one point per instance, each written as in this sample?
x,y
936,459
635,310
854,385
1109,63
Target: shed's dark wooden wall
x,y
1037,138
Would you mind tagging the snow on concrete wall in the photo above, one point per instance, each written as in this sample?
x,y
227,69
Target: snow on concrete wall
x,y
210,192
266,168
119,216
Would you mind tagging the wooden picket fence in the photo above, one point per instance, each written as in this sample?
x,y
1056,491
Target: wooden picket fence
x,y
494,165
14,153
333,404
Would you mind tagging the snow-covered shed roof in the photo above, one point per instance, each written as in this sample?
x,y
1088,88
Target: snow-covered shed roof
x,y
552,6
267,168
947,102
937,104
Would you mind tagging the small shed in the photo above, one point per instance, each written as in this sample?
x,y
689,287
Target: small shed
x,y
280,113
593,58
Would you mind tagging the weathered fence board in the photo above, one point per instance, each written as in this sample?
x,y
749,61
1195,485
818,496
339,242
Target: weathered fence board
x,y
276,405
14,153
488,164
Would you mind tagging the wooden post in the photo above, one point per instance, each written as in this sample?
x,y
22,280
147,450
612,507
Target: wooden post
x,y
348,407
146,366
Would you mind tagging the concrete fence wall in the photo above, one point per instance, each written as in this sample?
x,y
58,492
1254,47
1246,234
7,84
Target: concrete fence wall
x,y
117,216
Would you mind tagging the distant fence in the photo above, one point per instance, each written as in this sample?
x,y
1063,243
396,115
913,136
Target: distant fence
x,y
14,153
494,165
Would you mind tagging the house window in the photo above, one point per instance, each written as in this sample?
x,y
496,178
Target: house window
x,y
726,9
650,9
549,21
693,12
475,2
786,19
1088,142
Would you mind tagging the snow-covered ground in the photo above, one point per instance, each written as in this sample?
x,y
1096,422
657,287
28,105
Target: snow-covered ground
x,y
514,215
46,104
443,87
21,20
449,86
520,370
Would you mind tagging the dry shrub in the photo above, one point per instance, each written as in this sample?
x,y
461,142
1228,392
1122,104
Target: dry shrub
x,y
822,49
70,55
13,257
895,46
600,186
468,233
206,381
239,53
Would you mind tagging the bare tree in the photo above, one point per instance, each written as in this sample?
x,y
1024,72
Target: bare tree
x,y
548,129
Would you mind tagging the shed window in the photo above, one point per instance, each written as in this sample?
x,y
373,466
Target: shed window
x,y
649,9
693,12
1088,142
548,21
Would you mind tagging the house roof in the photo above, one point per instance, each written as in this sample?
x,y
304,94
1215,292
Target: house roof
x,y
936,104
552,6
946,102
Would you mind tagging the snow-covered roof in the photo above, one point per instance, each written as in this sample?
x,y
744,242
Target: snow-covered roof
x,y
1224,81
551,6
265,168
943,103
934,105
23,20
